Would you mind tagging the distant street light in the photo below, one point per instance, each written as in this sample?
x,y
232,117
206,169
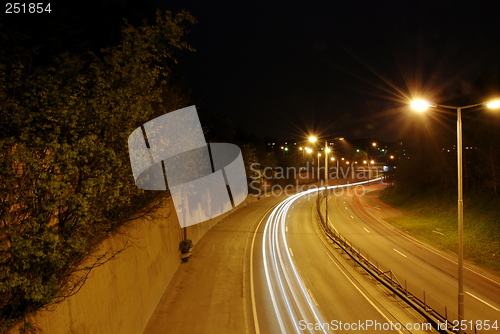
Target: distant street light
x,y
421,105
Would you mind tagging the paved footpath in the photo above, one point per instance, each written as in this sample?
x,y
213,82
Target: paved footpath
x,y
206,294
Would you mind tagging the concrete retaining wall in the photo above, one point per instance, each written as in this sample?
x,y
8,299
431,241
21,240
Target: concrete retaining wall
x,y
120,296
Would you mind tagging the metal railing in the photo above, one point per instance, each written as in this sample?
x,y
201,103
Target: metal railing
x,y
440,316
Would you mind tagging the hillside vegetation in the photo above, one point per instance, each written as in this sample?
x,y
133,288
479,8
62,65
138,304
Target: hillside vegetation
x,y
433,219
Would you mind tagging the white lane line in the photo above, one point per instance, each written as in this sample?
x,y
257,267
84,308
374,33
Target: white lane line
x,y
366,229
394,249
252,284
312,297
286,229
438,232
352,217
493,307
291,253
361,292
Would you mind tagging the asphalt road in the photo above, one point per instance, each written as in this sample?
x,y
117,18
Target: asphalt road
x,y
308,282
265,271
416,265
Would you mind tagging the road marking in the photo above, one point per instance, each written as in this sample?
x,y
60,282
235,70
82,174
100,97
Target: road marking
x,y
345,207
291,253
438,232
312,297
286,229
352,217
366,230
394,249
361,292
252,285
430,249
493,307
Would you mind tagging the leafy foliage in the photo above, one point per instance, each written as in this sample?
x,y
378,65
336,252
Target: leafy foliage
x,y
65,177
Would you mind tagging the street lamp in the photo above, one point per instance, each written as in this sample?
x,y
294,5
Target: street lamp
x,y
421,106
327,150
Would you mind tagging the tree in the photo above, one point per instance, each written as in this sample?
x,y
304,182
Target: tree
x,y
65,166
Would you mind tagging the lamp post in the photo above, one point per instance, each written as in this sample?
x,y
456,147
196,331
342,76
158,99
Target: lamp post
x,y
313,139
319,155
327,149
309,151
421,105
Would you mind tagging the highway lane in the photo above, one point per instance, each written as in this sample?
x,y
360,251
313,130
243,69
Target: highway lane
x,y
360,221
225,287
300,282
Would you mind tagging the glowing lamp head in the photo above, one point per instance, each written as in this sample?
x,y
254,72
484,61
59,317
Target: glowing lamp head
x,y
494,104
312,139
420,105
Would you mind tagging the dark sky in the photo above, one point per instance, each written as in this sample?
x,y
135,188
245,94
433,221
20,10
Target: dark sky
x,y
341,68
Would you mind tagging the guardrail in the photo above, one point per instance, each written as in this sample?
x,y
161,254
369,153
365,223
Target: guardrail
x,y
442,318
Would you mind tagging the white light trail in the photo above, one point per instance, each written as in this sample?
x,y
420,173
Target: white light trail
x,y
291,300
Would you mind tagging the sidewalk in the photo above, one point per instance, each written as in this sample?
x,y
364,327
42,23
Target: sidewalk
x,y
206,294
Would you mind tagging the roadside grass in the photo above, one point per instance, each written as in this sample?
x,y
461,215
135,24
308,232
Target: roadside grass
x,y
432,218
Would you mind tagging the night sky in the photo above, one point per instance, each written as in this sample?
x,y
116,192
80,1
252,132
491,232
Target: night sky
x,y
336,68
